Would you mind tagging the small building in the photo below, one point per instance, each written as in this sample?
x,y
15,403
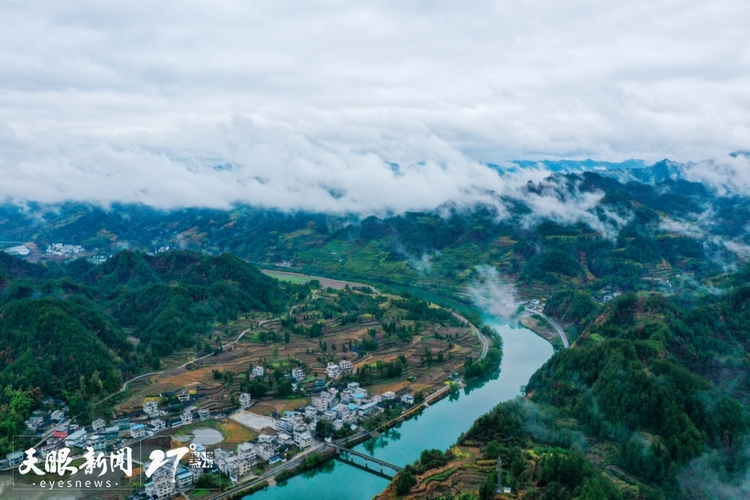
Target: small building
x,y
183,396
284,439
122,423
303,439
389,396
57,415
352,386
346,366
97,442
161,487
245,399
246,450
77,439
323,401
15,458
258,371
184,479
204,413
157,424
330,415
407,399
60,432
286,424
333,370
111,433
138,431
187,417
98,424
338,424
150,407
298,374
311,412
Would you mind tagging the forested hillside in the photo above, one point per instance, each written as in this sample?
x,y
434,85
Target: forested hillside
x,y
634,236
63,328
651,402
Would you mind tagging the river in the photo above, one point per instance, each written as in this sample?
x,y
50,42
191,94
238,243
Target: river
x,y
437,427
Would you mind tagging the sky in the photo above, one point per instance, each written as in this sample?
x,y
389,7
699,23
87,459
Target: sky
x,y
359,106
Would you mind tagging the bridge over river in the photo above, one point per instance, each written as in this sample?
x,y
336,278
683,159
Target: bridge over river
x,y
347,455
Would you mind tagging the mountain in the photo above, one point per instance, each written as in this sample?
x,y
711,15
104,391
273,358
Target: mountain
x,y
63,328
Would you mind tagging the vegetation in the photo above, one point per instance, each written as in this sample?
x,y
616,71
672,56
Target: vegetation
x,y
63,328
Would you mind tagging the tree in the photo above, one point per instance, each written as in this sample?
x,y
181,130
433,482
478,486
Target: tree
x,y
404,481
488,487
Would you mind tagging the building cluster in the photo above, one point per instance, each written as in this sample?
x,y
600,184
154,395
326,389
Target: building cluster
x,y
53,427
350,405
334,370
63,249
162,484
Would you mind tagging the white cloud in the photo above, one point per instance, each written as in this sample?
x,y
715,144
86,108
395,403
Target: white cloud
x,y
493,294
137,101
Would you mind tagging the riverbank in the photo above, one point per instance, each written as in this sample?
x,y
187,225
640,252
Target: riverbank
x,y
438,426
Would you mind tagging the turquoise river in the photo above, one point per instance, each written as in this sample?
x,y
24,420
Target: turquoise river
x,y
437,427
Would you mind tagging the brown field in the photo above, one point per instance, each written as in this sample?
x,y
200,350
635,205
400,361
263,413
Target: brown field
x,y
240,357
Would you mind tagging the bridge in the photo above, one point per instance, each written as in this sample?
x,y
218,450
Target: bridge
x,y
348,455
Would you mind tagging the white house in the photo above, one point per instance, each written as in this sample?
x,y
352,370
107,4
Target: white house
x,y
303,440
245,400
246,450
258,371
158,424
162,486
346,366
323,401
187,417
311,412
78,438
389,396
407,399
204,413
265,451
235,466
137,431
298,374
333,370
183,396
150,407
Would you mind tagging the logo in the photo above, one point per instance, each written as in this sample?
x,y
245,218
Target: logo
x,y
201,459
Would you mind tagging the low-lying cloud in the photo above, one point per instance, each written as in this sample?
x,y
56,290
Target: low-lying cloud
x,y
493,294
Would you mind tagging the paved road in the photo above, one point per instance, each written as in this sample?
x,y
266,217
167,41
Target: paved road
x,y
480,335
554,324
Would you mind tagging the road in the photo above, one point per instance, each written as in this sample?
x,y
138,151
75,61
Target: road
x,y
480,335
554,324
270,474
125,385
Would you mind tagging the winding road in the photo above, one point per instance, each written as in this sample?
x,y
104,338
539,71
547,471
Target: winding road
x,y
554,324
125,384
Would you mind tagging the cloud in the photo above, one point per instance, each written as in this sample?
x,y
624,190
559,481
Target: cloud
x,y
313,104
491,293
728,175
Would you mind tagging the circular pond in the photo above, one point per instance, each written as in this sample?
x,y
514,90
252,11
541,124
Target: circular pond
x,y
207,436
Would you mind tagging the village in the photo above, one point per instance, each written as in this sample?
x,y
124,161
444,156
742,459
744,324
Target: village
x,y
269,389
339,409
